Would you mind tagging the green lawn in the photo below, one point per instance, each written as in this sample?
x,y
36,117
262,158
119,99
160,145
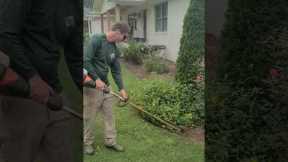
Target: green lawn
x,y
143,141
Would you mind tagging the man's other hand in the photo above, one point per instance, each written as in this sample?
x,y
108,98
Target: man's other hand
x,y
9,77
39,89
124,95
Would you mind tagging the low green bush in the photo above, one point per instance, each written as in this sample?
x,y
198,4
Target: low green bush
x,y
134,52
191,101
156,64
247,106
165,100
161,99
189,65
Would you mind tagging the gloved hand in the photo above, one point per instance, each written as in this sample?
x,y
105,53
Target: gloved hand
x,y
7,76
39,89
12,84
88,82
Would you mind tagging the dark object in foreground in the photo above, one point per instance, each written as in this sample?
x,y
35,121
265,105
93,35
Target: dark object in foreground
x,y
21,88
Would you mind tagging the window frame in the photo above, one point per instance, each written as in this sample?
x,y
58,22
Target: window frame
x,y
161,17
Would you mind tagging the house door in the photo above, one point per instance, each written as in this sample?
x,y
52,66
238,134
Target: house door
x,y
137,23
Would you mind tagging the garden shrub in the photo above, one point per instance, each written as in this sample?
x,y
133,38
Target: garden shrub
x,y
163,99
247,106
183,102
160,98
189,67
192,48
135,52
191,102
156,64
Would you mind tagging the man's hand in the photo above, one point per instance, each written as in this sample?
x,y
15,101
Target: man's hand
x,y
9,77
39,89
87,78
100,85
124,95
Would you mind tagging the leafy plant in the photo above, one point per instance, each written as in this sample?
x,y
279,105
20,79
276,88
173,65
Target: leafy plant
x,y
156,64
164,99
135,52
247,106
160,98
192,48
189,66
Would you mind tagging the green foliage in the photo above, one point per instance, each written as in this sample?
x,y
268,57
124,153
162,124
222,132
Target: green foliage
x,y
181,103
143,141
191,100
191,56
165,100
247,107
160,98
156,64
134,53
192,48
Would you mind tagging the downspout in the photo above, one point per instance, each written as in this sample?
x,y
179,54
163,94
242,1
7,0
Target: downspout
x,y
145,24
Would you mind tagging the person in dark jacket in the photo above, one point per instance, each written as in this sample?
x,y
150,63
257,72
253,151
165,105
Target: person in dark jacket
x,y
32,34
100,57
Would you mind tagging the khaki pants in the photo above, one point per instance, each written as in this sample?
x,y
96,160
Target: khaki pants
x,y
96,101
28,129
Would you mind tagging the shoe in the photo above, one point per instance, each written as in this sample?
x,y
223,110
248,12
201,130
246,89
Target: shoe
x,y
89,150
116,147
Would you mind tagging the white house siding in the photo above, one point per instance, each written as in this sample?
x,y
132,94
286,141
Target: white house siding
x,y
96,25
107,22
171,39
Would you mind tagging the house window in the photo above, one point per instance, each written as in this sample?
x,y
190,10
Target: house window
x,y
161,17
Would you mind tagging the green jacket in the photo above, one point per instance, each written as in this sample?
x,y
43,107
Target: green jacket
x,y
100,56
33,32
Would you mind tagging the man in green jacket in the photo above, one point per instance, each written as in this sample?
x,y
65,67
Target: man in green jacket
x,y
32,34
101,55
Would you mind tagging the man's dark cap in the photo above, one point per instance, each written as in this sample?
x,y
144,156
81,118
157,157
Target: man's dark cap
x,y
122,27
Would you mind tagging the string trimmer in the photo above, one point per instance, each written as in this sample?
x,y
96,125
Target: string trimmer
x,y
170,126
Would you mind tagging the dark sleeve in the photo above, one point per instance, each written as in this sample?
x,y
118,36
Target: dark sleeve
x,y
89,53
116,73
73,53
12,16
2,71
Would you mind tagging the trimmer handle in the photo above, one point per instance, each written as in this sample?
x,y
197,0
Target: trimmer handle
x,y
55,102
92,84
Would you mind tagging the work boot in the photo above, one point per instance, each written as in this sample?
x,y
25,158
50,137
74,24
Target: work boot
x,y
116,147
89,150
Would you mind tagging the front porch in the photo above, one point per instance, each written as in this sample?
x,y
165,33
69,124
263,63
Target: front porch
x,y
131,11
